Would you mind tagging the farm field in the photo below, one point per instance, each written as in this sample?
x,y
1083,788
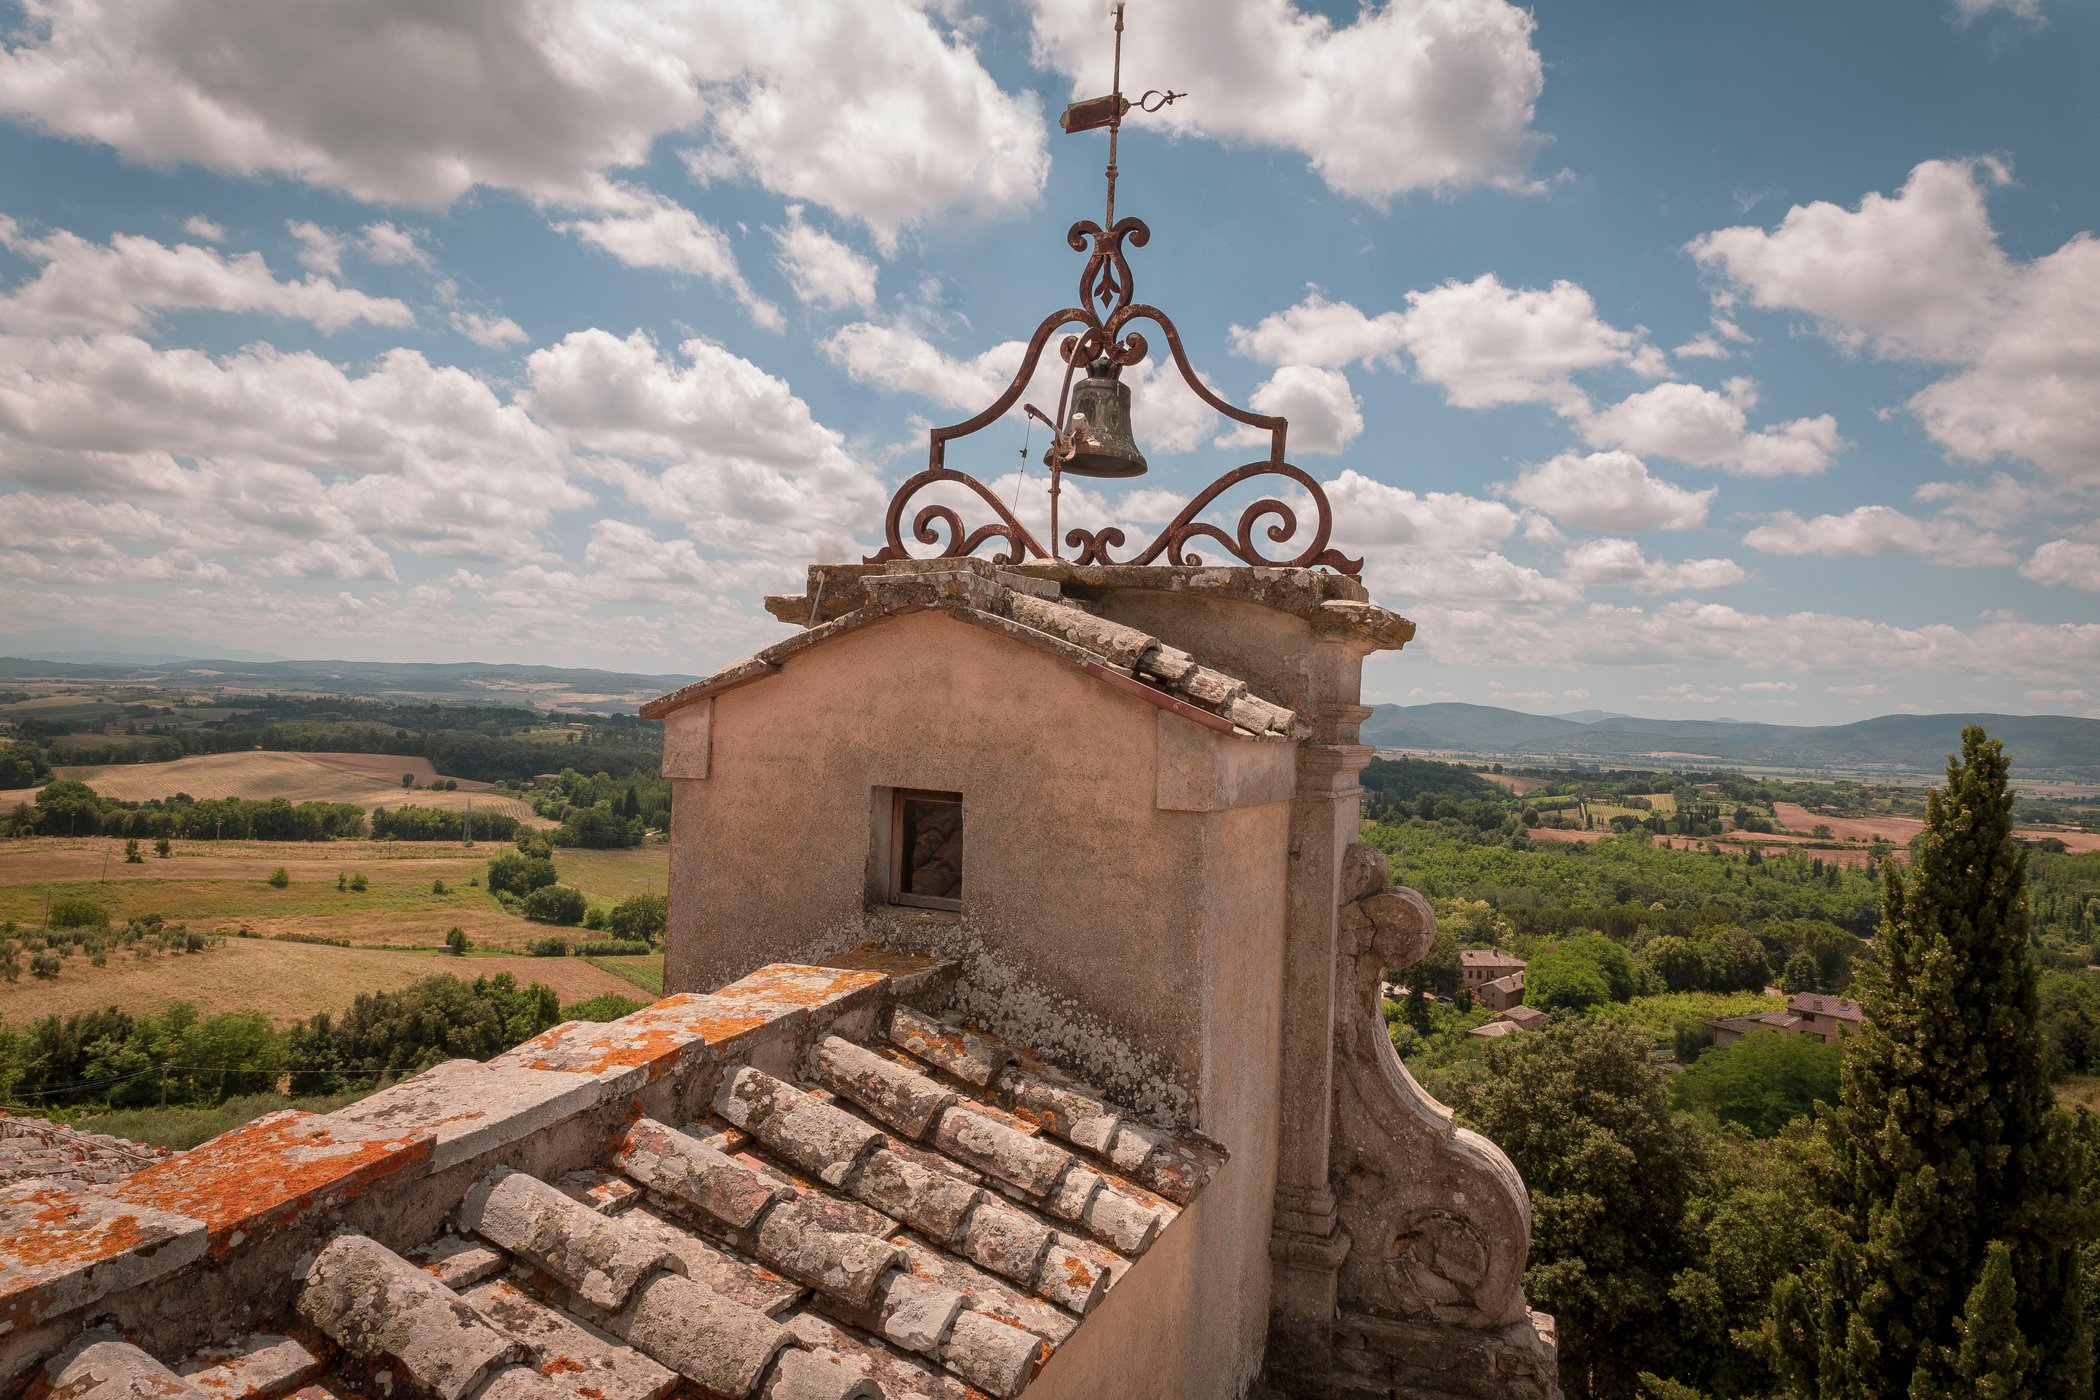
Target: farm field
x,y
369,780
1902,830
211,885
1519,786
287,981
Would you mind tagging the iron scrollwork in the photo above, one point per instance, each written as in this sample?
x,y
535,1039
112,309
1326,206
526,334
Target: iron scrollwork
x,y
1104,319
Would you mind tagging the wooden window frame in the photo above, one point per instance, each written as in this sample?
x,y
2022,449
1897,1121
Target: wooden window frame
x,y
896,892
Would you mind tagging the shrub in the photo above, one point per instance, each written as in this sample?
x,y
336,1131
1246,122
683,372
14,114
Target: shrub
x,y
594,917
358,883
638,916
1764,1081
45,964
612,948
280,877
553,946
162,848
76,911
516,873
438,887
456,939
606,1006
131,853
555,904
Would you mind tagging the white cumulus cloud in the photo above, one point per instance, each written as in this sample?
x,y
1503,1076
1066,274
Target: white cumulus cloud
x,y
1920,276
1878,530
1708,429
1619,563
1610,491
126,283
1413,94
2072,563
824,272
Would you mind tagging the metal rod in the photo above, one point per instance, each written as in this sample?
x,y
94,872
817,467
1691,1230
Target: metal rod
x,y
1115,125
1057,468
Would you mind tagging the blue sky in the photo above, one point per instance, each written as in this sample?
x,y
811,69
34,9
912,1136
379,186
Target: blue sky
x,y
1683,360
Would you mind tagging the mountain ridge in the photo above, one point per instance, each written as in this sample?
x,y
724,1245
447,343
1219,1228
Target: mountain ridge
x,y
2056,744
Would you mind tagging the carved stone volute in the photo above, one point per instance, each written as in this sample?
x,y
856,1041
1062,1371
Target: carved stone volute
x,y
1438,1219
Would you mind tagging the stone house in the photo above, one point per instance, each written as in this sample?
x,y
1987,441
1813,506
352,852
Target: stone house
x,y
1479,966
1024,1037
1502,993
1827,1018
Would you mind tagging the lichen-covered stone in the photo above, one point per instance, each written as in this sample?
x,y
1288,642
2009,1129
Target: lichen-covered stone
x,y
681,1169
911,1312
62,1248
998,1150
1070,1279
715,1268
987,1292
581,1357
377,1306
718,1344
906,1101
598,1257
932,1202
970,1057
1117,1217
845,1266
457,1262
821,1140
817,1375
1077,1117
897,1375
100,1367
991,1354
260,1367
1005,1241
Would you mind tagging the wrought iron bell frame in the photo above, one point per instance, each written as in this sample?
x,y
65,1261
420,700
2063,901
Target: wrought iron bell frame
x,y
1106,318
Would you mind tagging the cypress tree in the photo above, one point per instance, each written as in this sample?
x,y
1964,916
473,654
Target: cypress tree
x,y
1955,1176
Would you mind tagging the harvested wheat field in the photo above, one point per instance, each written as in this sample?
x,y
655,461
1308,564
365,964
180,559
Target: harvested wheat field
x,y
1520,786
368,780
1902,830
1567,834
287,981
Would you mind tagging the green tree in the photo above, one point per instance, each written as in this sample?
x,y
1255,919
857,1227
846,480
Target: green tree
x,y
456,939
1585,1116
519,874
556,904
162,848
1763,1081
131,853
1584,970
76,911
639,916
1946,1139
1994,1360
1675,961
280,877
1801,974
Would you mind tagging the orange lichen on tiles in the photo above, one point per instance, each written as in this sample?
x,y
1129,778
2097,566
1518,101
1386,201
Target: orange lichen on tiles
x,y
872,957
797,985
594,1048
270,1172
59,1229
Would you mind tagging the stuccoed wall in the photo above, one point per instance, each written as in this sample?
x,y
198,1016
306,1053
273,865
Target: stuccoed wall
x,y
1141,944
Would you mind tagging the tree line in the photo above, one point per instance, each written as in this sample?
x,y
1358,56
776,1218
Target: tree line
x,y
1933,1229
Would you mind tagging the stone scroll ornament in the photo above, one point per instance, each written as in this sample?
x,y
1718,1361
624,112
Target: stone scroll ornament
x,y
1438,1219
1104,321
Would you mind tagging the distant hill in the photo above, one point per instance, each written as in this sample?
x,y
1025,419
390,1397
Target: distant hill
x,y
2040,744
100,644
544,687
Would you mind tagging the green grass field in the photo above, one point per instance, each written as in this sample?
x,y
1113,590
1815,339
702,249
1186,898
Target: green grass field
x,y
395,926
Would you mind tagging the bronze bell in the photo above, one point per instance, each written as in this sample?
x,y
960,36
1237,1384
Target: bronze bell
x,y
1105,447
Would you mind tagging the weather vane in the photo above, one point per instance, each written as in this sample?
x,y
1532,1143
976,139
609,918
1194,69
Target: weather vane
x,y
1096,439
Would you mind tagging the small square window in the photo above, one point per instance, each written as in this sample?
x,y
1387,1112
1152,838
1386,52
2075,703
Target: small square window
x,y
926,846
